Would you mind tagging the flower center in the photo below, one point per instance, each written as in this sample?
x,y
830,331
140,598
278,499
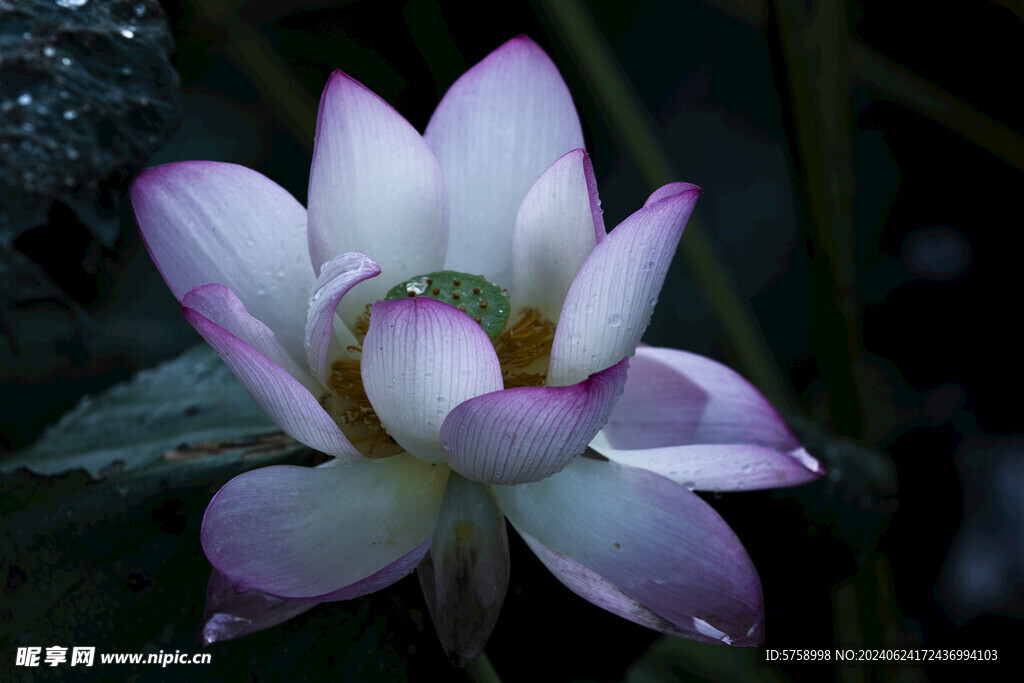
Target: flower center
x,y
523,350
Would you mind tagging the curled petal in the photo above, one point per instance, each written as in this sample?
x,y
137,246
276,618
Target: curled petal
x,y
611,300
206,221
278,393
328,533
465,575
374,187
558,225
495,131
669,190
646,544
231,615
526,434
421,358
337,277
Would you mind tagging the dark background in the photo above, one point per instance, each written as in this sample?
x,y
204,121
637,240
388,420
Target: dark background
x,y
887,313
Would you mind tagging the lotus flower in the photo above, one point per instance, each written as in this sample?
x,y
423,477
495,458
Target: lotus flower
x,y
439,429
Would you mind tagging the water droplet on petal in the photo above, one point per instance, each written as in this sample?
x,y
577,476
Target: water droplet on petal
x,y
614,320
691,485
127,33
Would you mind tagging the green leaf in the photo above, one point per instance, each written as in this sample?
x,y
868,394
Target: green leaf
x,y
180,408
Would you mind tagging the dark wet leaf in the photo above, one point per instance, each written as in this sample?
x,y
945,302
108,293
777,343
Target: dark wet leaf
x,y
180,410
88,94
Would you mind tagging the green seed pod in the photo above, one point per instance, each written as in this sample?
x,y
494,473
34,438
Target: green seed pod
x,y
484,302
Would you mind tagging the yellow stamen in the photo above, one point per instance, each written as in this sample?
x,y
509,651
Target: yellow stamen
x,y
362,325
351,409
524,350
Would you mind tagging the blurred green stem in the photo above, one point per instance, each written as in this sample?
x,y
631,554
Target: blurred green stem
x,y
632,124
482,671
903,86
262,65
900,84
813,39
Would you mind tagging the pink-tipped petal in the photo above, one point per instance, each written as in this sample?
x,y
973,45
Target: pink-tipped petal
x,y
526,434
205,221
375,188
556,229
675,398
312,533
278,393
421,358
701,424
641,536
465,575
219,305
669,190
722,467
231,615
495,131
595,589
611,300
337,277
